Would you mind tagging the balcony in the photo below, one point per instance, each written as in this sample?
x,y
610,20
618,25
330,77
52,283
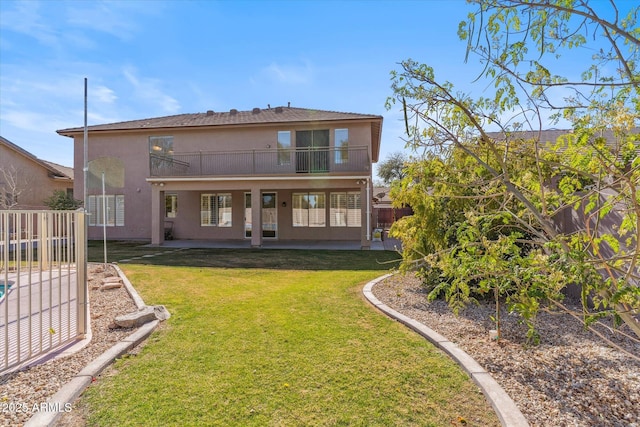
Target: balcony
x,y
261,162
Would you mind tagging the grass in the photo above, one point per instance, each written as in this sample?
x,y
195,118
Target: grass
x,y
245,258
289,343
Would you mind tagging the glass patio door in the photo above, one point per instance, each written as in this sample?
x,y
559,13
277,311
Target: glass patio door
x,y
247,215
269,215
312,151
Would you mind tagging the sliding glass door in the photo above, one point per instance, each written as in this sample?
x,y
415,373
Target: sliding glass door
x,y
312,151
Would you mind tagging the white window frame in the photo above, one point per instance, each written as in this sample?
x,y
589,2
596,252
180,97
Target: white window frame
x,y
341,145
345,209
305,216
171,205
216,210
115,210
284,147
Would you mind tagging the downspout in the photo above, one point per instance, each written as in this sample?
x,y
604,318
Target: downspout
x,y
368,211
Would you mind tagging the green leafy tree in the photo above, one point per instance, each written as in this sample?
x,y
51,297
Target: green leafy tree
x,y
489,159
61,200
392,168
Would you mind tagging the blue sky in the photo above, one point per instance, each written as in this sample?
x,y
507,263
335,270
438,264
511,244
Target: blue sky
x,y
154,58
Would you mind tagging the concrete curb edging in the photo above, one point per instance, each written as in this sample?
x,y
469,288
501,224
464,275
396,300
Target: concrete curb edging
x,y
69,392
137,299
506,409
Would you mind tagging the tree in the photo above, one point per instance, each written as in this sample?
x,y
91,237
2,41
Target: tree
x,y
13,185
62,200
392,168
488,156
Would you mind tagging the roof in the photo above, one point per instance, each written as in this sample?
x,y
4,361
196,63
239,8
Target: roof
x,y
234,117
56,171
64,170
381,196
552,135
228,118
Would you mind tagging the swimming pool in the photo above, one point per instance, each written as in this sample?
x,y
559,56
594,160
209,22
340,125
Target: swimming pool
x,y
3,289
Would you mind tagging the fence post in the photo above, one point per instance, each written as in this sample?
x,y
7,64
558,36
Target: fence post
x,y
43,245
81,280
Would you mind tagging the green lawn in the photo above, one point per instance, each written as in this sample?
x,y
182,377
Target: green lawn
x,y
279,345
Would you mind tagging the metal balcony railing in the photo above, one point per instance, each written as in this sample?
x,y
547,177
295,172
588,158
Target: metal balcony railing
x,y
261,162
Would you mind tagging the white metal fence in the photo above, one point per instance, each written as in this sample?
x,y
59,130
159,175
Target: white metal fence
x,y
43,283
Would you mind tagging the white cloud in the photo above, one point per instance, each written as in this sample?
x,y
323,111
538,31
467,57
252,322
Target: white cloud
x,y
27,19
148,90
31,121
103,95
287,74
114,18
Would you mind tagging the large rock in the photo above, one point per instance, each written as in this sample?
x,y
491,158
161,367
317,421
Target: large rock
x,y
142,316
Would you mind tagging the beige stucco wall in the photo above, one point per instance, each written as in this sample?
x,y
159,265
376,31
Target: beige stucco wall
x,y
132,150
133,153
252,137
33,179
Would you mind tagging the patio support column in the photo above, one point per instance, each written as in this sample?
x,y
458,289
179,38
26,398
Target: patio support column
x,y
157,223
256,217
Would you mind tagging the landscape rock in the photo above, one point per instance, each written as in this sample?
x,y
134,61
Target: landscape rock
x,y
142,316
161,312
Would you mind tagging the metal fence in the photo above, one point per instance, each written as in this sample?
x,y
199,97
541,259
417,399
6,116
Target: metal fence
x,y
43,283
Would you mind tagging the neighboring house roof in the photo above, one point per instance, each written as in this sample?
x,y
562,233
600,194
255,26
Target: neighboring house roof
x,y
552,135
234,117
55,171
381,196
64,170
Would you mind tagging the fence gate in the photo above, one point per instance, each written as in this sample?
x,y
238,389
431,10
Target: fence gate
x,y
43,283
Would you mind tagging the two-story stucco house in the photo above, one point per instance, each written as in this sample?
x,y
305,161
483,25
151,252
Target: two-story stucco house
x,y
278,173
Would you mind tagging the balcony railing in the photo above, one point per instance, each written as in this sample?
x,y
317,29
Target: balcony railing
x,y
261,162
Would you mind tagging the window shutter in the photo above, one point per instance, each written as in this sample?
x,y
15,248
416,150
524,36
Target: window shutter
x,y
205,209
92,210
338,210
354,217
300,218
120,210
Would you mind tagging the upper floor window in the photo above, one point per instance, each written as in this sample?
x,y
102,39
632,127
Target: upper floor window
x,y
284,147
160,153
161,145
341,142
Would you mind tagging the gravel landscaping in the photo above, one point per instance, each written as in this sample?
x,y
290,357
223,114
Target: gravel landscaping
x,y
573,378
33,386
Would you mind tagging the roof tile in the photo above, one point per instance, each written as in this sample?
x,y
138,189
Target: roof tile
x,y
227,118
